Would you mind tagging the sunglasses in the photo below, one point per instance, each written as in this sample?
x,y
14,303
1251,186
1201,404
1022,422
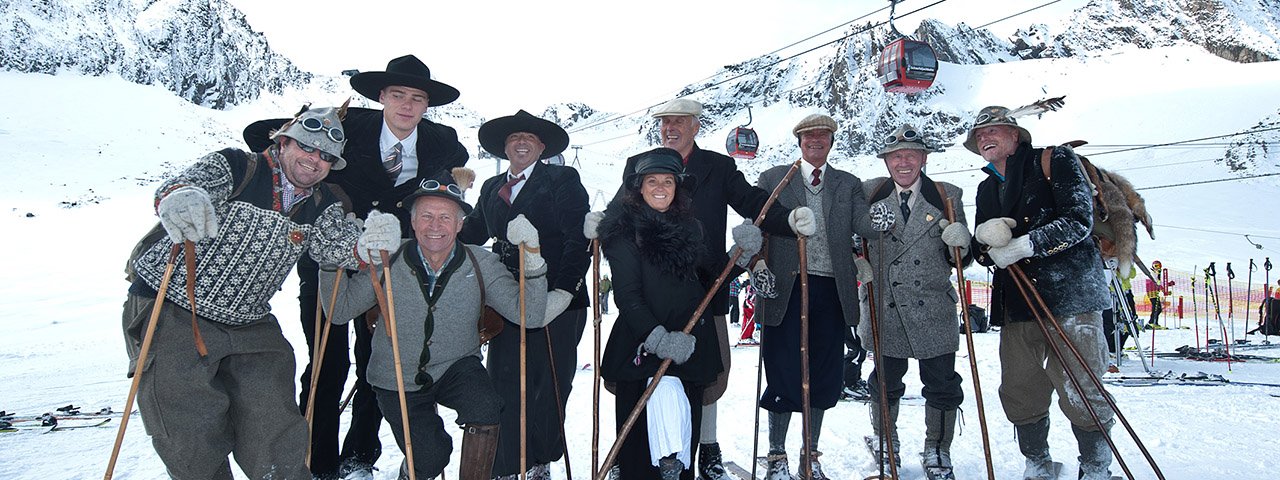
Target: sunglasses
x,y
436,186
310,149
313,124
907,135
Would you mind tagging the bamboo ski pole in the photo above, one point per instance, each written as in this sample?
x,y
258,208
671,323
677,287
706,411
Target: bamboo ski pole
x,y
595,359
147,337
524,379
317,358
973,354
693,320
755,431
389,312
1026,287
882,219
806,464
555,388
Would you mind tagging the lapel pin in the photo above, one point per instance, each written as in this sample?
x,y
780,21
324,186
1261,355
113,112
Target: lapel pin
x,y
928,217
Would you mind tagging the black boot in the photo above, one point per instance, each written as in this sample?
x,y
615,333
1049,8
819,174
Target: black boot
x,y
479,447
939,429
710,464
1033,441
1095,454
669,467
877,425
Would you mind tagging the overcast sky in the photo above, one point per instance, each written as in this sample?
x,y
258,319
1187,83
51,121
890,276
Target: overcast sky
x,y
504,55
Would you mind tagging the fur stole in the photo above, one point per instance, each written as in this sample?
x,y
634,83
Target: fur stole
x,y
667,240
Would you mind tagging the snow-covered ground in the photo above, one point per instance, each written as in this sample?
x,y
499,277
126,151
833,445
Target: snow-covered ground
x,y
83,156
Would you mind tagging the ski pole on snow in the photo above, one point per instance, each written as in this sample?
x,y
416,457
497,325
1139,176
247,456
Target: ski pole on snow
x,y
142,357
1195,311
318,357
595,359
688,327
524,373
968,337
806,466
389,313
1217,311
1248,295
1231,303
882,220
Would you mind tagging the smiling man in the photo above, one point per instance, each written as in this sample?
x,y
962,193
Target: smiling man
x,y
553,199
915,300
1044,226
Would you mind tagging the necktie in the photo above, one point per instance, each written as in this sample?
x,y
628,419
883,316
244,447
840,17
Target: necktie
x,y
505,191
906,202
817,173
394,163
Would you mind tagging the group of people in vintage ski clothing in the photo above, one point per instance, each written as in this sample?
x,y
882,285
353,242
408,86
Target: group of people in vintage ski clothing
x,y
338,191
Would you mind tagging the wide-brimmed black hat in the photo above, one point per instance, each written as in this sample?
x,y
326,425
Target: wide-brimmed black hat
x,y
493,134
659,160
405,71
444,186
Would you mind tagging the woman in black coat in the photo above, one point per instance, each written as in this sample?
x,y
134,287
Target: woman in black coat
x,y
661,270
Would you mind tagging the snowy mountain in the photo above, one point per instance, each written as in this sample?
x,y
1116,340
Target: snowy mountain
x,y
202,50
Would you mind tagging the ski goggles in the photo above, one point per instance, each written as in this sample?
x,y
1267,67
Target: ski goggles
x,y
323,155
436,186
907,135
313,124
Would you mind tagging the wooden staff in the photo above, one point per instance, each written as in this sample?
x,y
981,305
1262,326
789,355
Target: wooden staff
x,y
693,320
317,359
882,383
968,338
806,466
142,358
1028,290
595,359
389,311
524,383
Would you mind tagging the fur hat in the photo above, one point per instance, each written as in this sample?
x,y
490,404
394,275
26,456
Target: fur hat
x,y
905,137
816,121
405,71
658,160
990,116
445,187
493,134
319,128
679,106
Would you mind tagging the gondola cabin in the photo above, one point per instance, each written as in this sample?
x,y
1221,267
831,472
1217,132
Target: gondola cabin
x,y
907,66
742,143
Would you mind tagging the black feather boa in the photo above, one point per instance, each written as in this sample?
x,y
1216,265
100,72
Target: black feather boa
x,y
669,240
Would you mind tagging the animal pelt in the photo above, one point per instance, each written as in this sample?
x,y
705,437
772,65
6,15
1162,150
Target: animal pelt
x,y
671,241
1115,224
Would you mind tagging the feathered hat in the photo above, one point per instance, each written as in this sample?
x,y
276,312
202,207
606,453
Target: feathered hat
x,y
996,115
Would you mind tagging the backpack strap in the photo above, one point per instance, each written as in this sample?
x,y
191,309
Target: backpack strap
x,y
490,323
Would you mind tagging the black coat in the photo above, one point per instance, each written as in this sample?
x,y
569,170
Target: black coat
x,y
365,180
661,267
1066,267
719,186
555,202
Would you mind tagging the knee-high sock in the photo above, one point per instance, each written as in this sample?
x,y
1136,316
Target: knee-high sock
x,y
708,424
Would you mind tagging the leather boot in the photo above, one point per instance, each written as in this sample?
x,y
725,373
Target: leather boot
x,y
877,426
479,447
669,467
939,429
1033,441
710,464
1095,454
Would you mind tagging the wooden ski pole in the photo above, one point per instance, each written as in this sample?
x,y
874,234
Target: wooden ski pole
x,y
142,358
885,453
595,359
555,385
806,466
1029,291
973,354
755,436
524,379
389,312
317,358
693,320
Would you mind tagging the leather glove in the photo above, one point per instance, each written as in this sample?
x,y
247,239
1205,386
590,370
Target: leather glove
x,y
954,234
519,231
865,275
557,301
747,237
1009,254
676,346
995,232
188,214
763,281
381,232
591,225
802,221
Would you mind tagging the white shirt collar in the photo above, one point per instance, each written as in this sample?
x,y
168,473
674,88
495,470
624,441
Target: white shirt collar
x,y
528,171
806,169
914,189
388,140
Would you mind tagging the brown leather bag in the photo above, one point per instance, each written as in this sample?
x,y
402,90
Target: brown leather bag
x,y
490,323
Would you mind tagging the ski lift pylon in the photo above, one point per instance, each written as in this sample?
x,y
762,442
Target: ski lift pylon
x,y
743,141
906,65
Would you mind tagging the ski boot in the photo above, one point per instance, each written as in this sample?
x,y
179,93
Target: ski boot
x,y
873,441
939,430
1095,455
777,467
669,467
1033,441
710,463
814,465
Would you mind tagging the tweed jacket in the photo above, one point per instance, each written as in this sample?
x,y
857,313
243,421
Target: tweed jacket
x,y
915,301
1066,266
844,212
719,186
435,331
555,202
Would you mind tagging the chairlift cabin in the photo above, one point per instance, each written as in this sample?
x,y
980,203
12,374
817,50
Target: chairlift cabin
x,y
742,143
907,66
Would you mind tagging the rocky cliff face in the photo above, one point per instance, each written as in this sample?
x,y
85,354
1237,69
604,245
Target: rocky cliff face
x,y
202,50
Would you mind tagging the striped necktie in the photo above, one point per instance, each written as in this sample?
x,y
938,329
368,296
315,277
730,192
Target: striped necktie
x,y
394,163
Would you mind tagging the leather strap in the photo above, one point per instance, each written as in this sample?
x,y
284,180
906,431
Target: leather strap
x,y
189,249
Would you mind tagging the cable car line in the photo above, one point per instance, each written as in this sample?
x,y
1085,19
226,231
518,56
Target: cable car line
x,y
1216,180
1016,14
1246,132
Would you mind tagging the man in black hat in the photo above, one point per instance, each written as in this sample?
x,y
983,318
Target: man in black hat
x,y
389,153
553,199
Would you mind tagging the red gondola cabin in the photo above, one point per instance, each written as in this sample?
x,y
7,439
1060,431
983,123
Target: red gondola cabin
x,y
907,66
742,143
